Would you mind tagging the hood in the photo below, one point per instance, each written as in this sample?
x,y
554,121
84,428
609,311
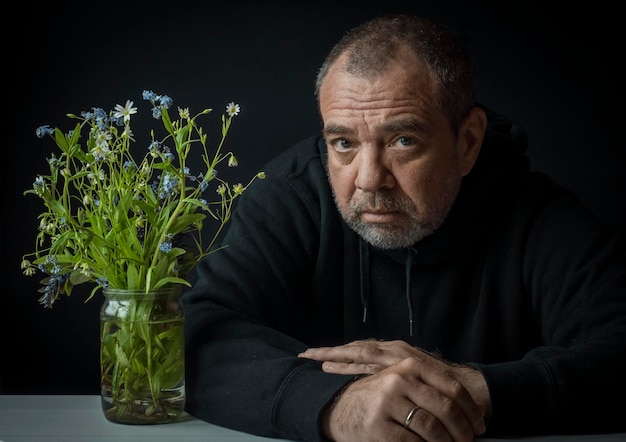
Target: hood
x,y
499,170
494,179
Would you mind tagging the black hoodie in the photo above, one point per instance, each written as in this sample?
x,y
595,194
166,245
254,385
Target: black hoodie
x,y
521,281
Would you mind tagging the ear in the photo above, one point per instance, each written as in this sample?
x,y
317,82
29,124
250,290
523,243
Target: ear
x,y
470,139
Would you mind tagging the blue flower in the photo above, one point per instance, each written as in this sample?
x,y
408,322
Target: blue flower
x,y
165,246
148,95
53,285
42,131
166,102
124,205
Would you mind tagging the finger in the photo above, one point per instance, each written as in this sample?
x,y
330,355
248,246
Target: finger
x,y
425,425
363,352
350,368
447,398
319,353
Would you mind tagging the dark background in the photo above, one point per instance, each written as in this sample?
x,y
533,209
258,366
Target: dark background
x,y
556,71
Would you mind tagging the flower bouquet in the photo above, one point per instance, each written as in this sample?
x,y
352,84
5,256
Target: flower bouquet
x,y
134,229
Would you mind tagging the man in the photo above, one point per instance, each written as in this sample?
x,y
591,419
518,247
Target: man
x,y
404,276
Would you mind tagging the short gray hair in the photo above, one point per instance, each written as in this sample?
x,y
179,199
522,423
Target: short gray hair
x,y
373,45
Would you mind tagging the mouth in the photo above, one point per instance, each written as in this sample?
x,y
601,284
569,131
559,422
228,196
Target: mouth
x,y
380,216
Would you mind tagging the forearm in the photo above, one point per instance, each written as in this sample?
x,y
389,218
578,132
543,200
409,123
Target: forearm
x,y
555,389
241,381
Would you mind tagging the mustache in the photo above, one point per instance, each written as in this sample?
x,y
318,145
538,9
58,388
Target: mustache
x,y
380,201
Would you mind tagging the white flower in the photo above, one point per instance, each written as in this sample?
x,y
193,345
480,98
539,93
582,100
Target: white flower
x,y
100,151
125,111
232,109
108,181
184,113
103,137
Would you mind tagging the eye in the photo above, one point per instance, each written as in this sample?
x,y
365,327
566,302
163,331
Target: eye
x,y
405,141
341,144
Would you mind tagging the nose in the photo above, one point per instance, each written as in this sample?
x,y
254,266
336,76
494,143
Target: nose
x,y
372,172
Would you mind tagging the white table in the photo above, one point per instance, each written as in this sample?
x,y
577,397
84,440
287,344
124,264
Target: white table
x,y
78,418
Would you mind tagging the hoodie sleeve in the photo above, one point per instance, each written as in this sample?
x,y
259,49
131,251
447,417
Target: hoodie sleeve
x,y
574,270
246,317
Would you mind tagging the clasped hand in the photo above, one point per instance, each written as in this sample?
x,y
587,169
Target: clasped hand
x,y
409,394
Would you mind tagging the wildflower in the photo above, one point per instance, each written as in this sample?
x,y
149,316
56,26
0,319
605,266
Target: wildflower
x,y
42,131
84,270
232,109
116,234
102,138
101,151
53,286
125,111
103,282
165,246
165,102
154,148
168,187
184,113
156,113
53,162
148,95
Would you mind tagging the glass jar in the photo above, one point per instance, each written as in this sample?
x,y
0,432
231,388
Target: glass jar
x,y
142,356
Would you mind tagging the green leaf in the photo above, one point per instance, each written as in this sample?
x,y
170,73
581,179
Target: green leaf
x,y
171,280
77,277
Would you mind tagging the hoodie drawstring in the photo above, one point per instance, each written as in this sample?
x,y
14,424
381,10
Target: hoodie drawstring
x,y
364,264
409,260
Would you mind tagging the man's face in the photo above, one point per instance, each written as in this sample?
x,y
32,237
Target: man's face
x,y
393,160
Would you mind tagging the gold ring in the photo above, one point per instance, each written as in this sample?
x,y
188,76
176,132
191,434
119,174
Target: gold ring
x,y
409,418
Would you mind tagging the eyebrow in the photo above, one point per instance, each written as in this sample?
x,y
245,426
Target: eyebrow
x,y
336,129
400,125
405,125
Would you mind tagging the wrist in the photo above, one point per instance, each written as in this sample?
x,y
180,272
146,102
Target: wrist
x,y
325,418
474,381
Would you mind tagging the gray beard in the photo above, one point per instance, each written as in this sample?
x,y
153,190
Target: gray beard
x,y
414,225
